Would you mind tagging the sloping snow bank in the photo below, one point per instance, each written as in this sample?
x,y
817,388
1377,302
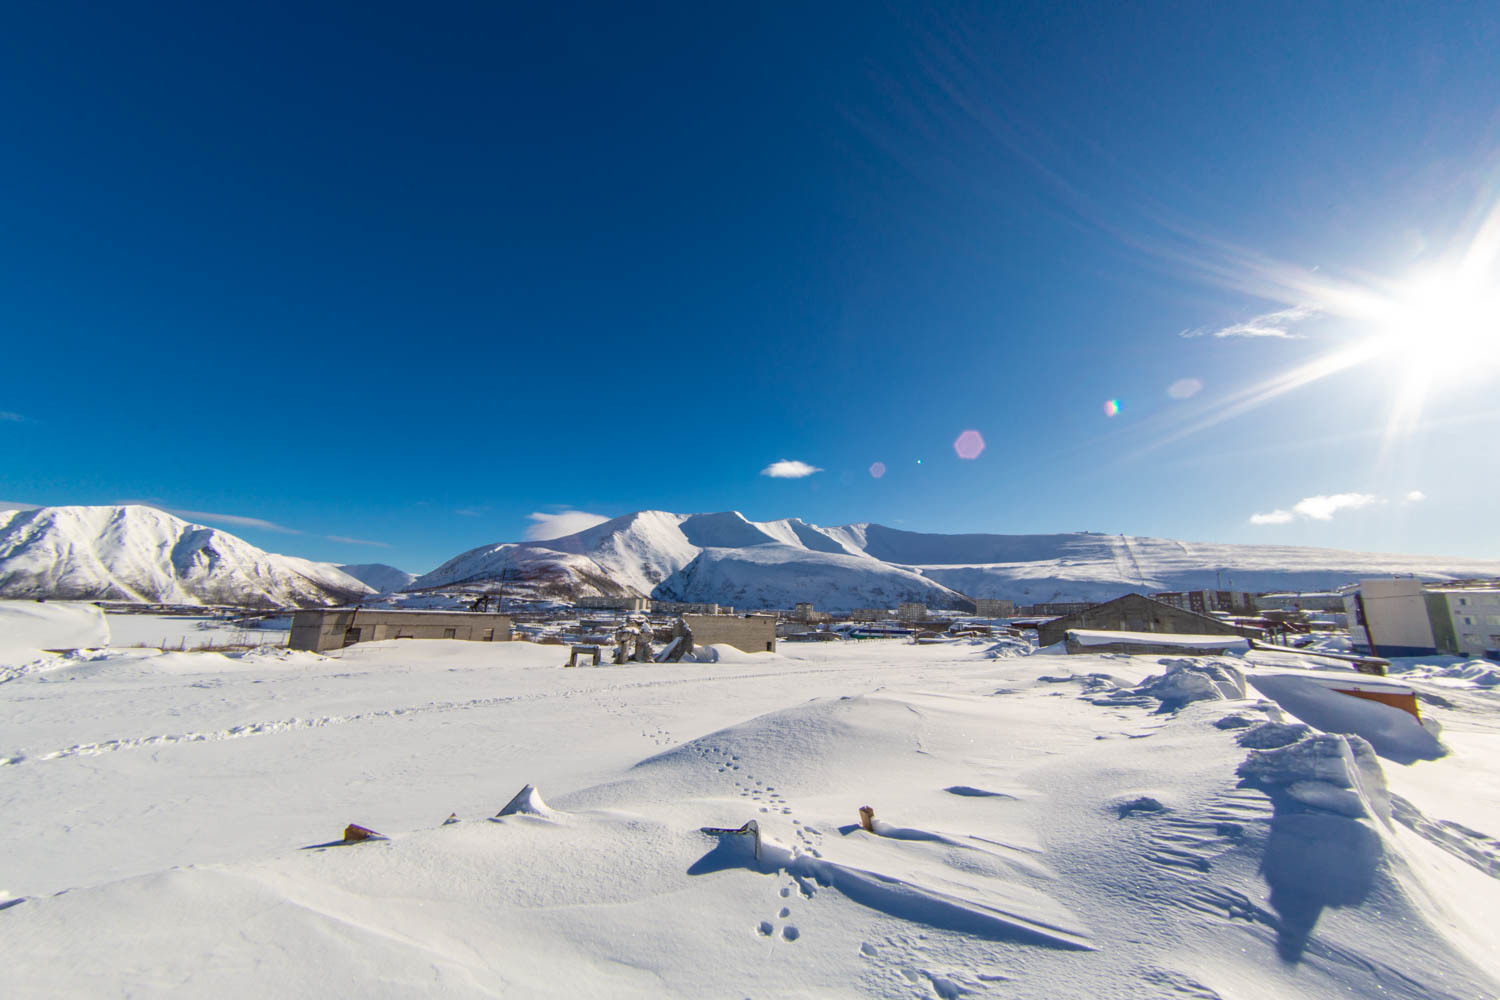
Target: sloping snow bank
x,y
27,627
1221,643
721,652
1393,733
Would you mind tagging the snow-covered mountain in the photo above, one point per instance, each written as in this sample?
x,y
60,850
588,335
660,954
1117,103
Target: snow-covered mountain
x,y
138,553
379,577
730,559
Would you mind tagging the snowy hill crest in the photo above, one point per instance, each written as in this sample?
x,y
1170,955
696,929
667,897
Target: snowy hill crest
x,y
138,553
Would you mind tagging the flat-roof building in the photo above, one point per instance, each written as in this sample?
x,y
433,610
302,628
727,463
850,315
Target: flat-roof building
x,y
751,633
321,629
633,604
986,607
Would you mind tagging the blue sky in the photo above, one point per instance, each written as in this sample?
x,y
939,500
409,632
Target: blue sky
x,y
338,275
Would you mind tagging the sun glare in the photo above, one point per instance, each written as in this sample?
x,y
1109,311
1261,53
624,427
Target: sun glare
x,y
1447,322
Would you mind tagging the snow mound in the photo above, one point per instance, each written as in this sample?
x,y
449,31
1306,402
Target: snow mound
x,y
1326,771
1271,735
1008,647
1187,680
721,652
28,627
528,802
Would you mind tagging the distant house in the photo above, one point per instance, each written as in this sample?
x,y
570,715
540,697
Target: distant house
x,y
1236,602
1137,613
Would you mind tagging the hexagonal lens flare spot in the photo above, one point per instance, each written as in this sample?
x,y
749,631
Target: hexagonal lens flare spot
x,y
877,470
969,444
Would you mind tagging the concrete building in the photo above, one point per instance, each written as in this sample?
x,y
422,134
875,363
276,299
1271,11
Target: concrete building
x,y
868,614
690,608
630,604
321,629
986,607
1235,602
911,611
1056,608
1404,617
1326,600
751,634
1137,613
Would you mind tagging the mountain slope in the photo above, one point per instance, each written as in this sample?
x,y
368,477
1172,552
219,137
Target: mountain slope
x,y
137,553
727,558
380,577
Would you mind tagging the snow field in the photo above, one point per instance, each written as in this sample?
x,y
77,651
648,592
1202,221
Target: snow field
x,y
1046,826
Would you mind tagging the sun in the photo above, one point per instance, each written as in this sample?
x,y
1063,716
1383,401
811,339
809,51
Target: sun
x,y
1446,322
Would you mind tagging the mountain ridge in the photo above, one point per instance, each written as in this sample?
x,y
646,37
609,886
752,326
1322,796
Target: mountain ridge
x,y
726,558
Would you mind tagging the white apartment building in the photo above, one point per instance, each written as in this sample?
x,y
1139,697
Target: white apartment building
x,y
1473,618
1404,617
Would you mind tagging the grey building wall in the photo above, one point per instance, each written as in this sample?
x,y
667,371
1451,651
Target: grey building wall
x,y
756,634
321,629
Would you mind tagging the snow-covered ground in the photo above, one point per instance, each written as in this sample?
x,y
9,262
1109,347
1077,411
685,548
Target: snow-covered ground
x,y
1045,826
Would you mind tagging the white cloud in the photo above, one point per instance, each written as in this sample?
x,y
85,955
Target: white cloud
x,y
1318,508
1276,324
11,417
1322,508
1185,388
567,522
1416,496
789,469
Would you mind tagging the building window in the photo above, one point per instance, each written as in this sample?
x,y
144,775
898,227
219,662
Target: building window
x,y
449,633
351,636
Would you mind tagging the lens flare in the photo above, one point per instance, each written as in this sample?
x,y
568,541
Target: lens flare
x,y
877,470
969,445
1112,408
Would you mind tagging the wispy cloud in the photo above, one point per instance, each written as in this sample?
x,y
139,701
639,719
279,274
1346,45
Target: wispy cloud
x,y
356,541
9,416
1416,496
238,520
1317,508
567,522
472,511
17,505
1276,324
789,469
